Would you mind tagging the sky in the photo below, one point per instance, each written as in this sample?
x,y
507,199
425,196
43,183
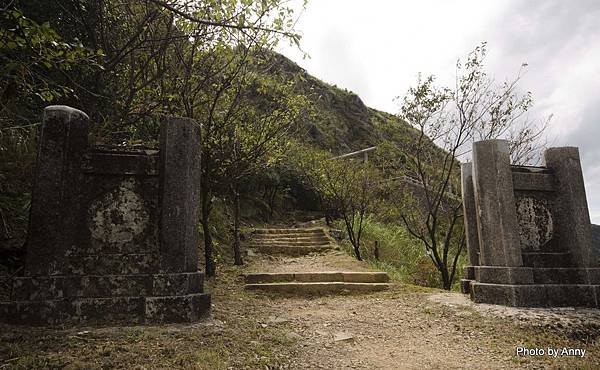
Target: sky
x,y
377,49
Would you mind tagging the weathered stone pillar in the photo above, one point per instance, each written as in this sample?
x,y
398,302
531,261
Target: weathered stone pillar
x,y
180,194
63,141
469,213
575,234
499,243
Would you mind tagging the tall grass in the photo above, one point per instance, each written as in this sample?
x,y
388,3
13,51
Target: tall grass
x,y
401,255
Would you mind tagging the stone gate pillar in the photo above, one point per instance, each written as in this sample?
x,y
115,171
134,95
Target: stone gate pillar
x,y
180,194
55,205
495,202
471,232
573,218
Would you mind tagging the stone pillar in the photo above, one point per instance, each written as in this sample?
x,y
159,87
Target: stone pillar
x,y
499,243
54,213
469,213
180,194
575,234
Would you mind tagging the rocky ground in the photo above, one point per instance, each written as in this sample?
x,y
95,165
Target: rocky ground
x,y
404,328
410,327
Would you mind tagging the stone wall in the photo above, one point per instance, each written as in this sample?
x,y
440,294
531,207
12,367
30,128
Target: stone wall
x,y
528,230
113,233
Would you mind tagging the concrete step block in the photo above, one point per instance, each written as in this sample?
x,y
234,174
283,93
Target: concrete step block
x,y
324,276
291,251
287,242
291,239
290,231
536,295
317,287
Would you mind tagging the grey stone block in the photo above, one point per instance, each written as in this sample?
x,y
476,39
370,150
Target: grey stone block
x,y
180,194
37,288
178,284
110,309
572,213
547,259
509,295
495,203
465,286
469,272
470,212
559,276
503,275
534,181
55,206
571,295
111,163
187,308
113,264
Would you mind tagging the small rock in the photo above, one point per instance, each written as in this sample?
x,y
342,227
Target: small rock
x,y
342,337
293,336
277,320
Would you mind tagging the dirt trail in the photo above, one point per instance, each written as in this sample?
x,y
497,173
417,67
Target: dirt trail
x,y
413,328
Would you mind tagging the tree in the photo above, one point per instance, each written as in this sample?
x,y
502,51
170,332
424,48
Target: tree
x,y
346,187
242,110
448,121
351,190
155,57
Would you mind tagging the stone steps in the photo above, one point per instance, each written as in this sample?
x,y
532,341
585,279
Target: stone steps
x,y
287,243
325,276
293,251
318,288
298,242
290,231
290,242
291,239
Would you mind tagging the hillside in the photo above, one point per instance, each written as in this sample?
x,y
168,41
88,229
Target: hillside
x,y
340,122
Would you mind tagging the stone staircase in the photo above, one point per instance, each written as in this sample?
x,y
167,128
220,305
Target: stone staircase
x,y
290,242
295,243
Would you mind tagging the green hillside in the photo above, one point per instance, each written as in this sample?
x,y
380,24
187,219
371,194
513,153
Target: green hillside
x,y
340,121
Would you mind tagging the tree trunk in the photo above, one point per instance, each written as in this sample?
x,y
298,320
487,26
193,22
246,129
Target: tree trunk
x,y
237,254
272,202
357,252
446,282
208,244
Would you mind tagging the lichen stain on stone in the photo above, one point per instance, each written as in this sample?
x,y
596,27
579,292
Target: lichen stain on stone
x,y
119,216
536,226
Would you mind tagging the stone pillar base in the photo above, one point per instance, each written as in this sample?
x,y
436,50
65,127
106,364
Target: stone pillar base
x,y
537,295
136,299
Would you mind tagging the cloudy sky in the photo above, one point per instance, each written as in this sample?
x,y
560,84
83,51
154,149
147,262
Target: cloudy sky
x,y
377,48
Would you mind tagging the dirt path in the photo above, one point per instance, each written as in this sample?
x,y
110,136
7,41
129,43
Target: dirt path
x,y
412,328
